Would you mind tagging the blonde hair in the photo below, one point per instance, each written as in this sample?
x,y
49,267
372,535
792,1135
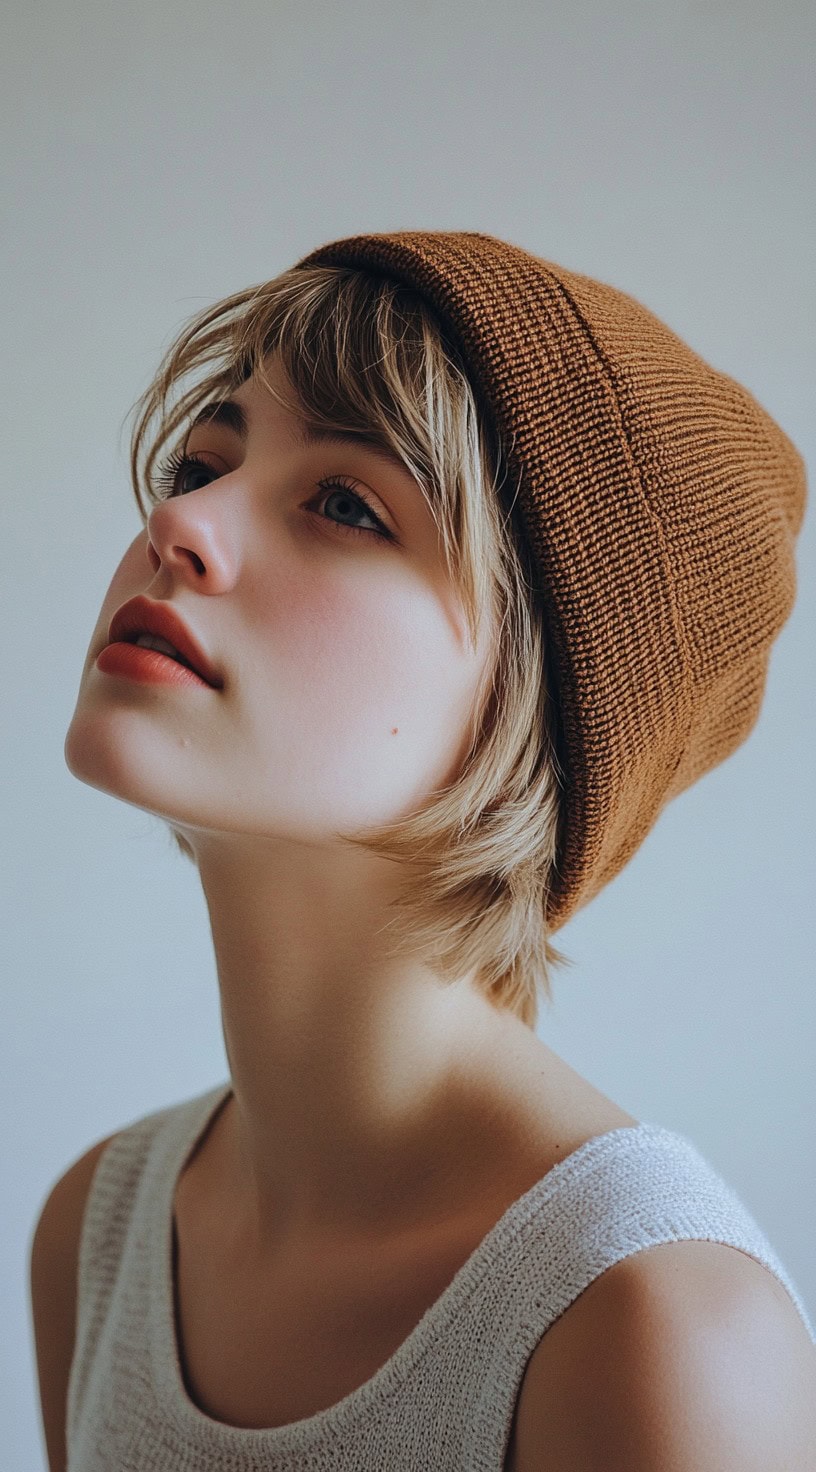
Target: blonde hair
x,y
365,353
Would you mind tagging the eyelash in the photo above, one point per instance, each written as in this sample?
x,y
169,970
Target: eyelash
x,y
170,471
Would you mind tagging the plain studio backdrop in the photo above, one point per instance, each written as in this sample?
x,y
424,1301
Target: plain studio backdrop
x,y
157,158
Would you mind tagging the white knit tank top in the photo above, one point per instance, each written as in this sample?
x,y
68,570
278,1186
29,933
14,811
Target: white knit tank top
x,y
445,1398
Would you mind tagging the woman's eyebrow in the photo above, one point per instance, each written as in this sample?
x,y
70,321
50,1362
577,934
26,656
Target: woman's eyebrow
x,y
234,417
225,412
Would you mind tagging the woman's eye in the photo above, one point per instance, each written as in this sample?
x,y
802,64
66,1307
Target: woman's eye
x,y
181,473
172,476
348,501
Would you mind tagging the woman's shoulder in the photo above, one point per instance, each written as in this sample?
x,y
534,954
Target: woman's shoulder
x,y
59,1221
62,1210
677,1336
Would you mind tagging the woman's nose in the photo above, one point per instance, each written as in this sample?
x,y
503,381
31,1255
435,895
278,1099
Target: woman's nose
x,y
190,539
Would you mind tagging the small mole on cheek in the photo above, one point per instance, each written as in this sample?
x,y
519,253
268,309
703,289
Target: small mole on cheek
x,y
394,730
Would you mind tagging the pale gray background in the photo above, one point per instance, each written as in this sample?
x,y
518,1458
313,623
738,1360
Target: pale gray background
x,y
156,159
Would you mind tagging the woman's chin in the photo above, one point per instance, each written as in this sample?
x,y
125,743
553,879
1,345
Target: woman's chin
x,y
119,763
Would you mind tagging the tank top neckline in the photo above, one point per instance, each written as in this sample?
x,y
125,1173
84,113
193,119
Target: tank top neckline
x,y
209,1434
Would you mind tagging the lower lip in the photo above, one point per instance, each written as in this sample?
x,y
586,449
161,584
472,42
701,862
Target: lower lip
x,y
146,665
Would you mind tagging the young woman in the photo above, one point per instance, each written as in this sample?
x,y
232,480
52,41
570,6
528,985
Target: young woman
x,y
460,567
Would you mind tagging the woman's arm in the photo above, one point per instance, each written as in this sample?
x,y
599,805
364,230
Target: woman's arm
x,y
53,1275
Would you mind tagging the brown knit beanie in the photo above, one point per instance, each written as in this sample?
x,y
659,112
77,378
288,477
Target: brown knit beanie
x,y
661,505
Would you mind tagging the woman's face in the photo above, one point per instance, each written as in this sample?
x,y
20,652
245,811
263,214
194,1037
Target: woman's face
x,y
347,675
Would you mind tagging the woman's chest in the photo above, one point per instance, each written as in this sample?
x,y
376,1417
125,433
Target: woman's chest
x,y
260,1349
257,1352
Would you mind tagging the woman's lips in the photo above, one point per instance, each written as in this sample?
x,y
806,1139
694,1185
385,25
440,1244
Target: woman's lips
x,y
142,615
148,666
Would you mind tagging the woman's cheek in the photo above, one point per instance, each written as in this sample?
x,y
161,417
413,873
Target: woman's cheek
x,y
370,650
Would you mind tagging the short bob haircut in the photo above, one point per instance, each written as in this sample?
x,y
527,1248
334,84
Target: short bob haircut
x,y
365,353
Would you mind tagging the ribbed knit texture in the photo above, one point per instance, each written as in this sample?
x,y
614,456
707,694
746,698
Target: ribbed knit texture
x,y
445,1399
661,504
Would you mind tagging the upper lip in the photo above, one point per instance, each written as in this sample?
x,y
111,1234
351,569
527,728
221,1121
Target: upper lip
x,y
142,616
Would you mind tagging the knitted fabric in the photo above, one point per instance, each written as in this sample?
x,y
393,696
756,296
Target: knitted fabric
x,y
445,1398
660,503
